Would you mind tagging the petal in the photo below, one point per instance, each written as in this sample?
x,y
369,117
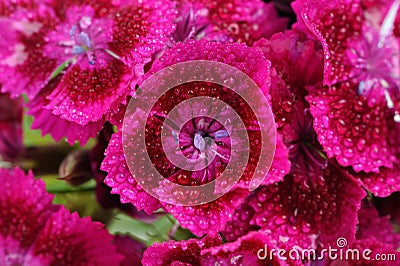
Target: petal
x,y
334,22
83,93
240,225
299,26
308,213
24,207
120,179
248,60
350,130
140,30
298,60
57,127
75,240
103,192
36,232
280,165
209,217
297,63
381,184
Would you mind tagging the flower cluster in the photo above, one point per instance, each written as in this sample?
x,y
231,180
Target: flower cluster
x,y
327,71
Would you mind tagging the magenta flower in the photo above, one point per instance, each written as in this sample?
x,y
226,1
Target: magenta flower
x,y
11,146
356,111
36,232
93,54
209,217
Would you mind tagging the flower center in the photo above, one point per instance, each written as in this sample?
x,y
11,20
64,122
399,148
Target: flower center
x,y
200,141
82,36
375,57
82,42
200,138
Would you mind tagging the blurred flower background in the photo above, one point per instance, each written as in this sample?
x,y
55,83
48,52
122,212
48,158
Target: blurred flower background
x,y
329,69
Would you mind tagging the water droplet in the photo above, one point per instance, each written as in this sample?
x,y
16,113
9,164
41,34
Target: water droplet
x,y
305,227
203,224
279,220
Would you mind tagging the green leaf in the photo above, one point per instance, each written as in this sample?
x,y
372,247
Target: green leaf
x,y
60,68
55,185
147,233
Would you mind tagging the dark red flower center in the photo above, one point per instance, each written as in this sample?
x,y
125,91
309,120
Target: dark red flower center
x,y
204,140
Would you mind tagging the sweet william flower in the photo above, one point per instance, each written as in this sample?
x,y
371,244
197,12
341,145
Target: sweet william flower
x,y
209,217
92,54
356,109
33,231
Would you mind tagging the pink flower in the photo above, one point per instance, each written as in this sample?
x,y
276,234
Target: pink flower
x,y
36,232
356,109
93,55
212,216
